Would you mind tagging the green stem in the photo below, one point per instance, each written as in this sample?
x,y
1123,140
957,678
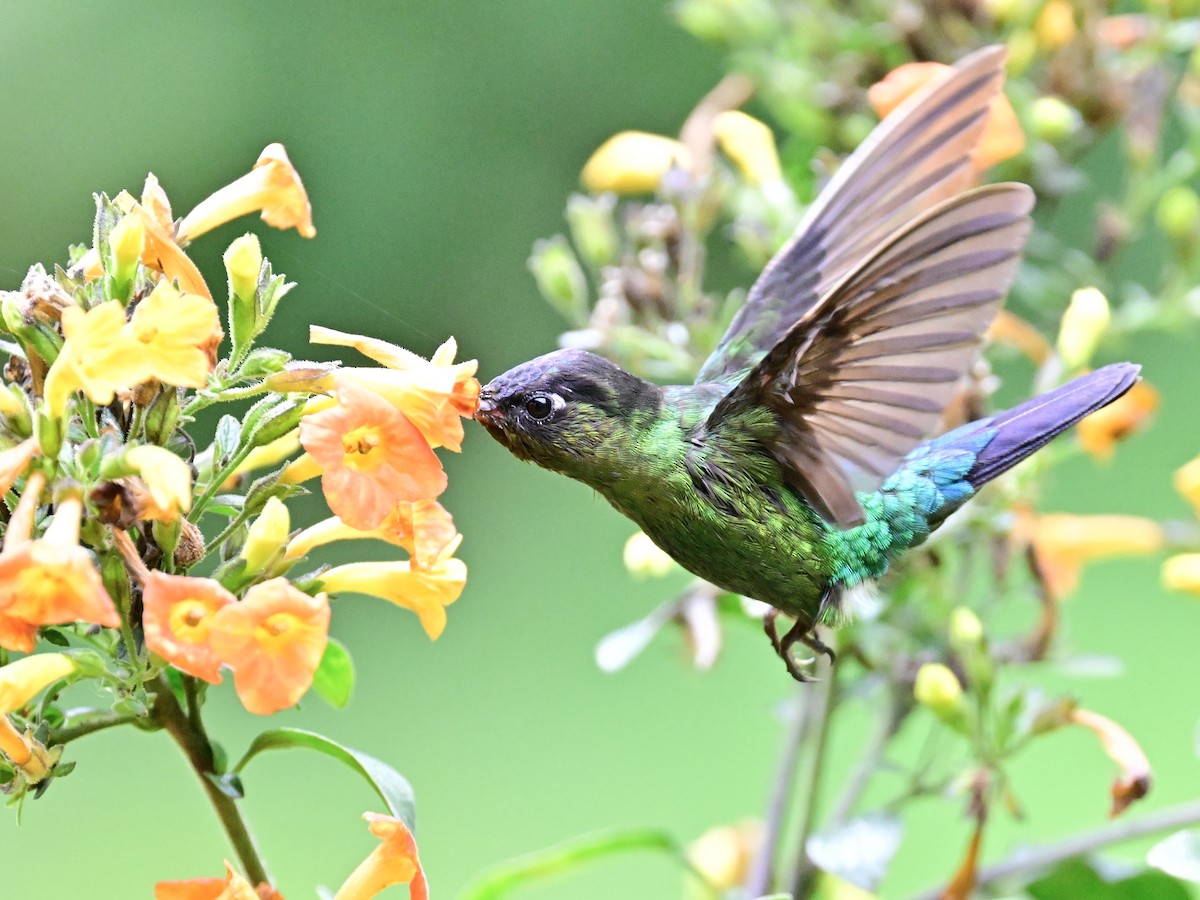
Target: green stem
x,y
1028,861
199,753
890,718
82,726
822,713
218,479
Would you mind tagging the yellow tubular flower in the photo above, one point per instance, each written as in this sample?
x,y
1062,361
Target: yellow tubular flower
x,y
750,144
1134,781
1063,543
20,682
270,454
243,261
273,187
168,478
633,162
427,592
1182,573
160,250
266,536
1083,324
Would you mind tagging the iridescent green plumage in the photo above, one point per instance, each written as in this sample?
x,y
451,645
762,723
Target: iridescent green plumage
x,y
795,468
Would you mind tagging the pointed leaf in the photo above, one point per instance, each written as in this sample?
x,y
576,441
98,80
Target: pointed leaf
x,y
392,787
334,678
1178,855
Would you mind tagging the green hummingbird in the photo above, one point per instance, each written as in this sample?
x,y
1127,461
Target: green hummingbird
x,y
799,463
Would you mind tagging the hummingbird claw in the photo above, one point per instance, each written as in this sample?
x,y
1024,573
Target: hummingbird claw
x,y
800,633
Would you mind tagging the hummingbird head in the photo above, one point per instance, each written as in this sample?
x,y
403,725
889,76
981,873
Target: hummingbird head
x,y
566,410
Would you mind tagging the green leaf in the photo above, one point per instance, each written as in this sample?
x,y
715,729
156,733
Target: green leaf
x,y
1077,879
334,678
392,787
571,854
1178,855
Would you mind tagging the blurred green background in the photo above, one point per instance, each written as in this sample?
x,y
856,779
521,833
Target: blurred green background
x,y
437,141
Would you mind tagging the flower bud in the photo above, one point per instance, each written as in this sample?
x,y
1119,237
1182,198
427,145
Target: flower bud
x,y
750,144
125,244
1178,214
965,628
267,536
1055,25
243,262
723,854
1054,120
559,277
633,162
1083,324
938,688
592,228
1182,573
644,558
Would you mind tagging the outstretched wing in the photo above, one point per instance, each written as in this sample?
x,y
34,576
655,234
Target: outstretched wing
x,y
866,374
913,160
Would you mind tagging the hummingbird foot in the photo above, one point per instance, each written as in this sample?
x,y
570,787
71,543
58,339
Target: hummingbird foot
x,y
800,633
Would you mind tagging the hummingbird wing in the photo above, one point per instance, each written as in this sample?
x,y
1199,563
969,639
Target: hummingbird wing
x,y
866,373
914,159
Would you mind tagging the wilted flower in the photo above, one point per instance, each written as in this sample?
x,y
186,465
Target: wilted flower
x,y
178,613
272,186
394,861
370,455
1002,136
1134,781
160,250
1063,543
273,640
633,162
1099,432
426,591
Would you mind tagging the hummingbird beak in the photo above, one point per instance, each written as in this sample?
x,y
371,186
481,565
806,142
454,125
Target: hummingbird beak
x,y
489,414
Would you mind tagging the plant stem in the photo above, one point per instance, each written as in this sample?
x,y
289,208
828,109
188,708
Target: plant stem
x,y
199,753
89,724
1027,861
890,718
759,881
822,713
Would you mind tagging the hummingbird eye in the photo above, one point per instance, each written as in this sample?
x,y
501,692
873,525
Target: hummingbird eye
x,y
539,406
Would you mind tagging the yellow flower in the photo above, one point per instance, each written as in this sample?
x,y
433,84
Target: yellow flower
x,y
168,479
644,557
1002,135
1083,324
175,336
272,186
750,144
633,162
426,591
266,535
1055,25
160,250
1187,482
1063,542
394,861
938,688
97,357
1099,432
1182,573
243,262
723,853
1134,781
434,394
20,682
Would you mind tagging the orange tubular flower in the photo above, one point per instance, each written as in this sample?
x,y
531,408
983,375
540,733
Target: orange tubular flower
x,y
371,456
423,528
178,613
1134,781
1099,432
394,861
426,591
15,460
1002,136
1063,543
272,186
51,581
273,639
432,393
20,682
161,250
234,886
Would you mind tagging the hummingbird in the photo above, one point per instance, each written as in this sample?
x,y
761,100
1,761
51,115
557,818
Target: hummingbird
x,y
800,463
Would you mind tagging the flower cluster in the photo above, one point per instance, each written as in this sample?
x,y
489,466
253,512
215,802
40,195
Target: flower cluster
x,y
157,559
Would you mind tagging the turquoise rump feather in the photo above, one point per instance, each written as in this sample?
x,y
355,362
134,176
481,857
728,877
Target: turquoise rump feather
x,y
800,462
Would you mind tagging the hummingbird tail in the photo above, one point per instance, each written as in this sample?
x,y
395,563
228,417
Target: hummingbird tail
x,y
1026,428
